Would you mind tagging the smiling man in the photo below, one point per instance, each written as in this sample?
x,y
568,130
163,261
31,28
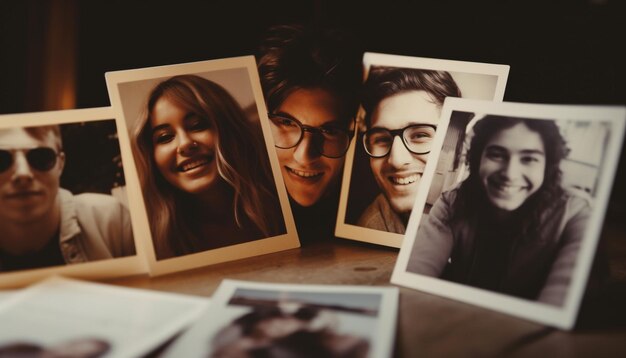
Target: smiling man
x,y
44,225
402,110
311,79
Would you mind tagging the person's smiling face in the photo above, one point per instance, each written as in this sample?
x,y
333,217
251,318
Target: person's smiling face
x,y
307,174
184,147
398,173
512,166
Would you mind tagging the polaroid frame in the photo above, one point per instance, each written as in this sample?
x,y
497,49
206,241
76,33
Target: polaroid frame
x,y
116,267
277,243
461,71
218,314
134,321
562,317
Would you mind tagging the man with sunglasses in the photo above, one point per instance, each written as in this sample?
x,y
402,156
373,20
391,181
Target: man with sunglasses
x,y
402,107
44,225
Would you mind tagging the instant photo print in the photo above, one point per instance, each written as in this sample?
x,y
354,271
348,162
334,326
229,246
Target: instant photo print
x,y
511,205
211,185
402,97
65,206
101,321
263,319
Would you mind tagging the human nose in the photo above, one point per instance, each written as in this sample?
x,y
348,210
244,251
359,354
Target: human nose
x,y
22,171
512,168
398,154
305,150
186,144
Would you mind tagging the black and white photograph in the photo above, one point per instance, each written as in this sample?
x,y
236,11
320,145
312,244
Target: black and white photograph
x,y
249,319
63,196
513,204
205,162
401,97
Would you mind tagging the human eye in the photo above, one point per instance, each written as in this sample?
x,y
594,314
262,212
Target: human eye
x,y
333,132
286,122
162,137
197,123
379,138
531,159
420,134
496,155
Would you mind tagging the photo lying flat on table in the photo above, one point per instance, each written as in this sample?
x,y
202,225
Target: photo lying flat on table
x,y
511,206
63,202
60,317
402,97
249,319
206,162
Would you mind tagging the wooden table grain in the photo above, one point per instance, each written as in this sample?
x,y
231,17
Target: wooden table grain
x,y
428,325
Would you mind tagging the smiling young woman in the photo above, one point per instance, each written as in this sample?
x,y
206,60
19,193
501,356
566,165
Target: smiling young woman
x,y
204,170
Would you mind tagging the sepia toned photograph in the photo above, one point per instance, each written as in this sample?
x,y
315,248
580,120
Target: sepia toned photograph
x,y
515,199
63,194
198,133
311,78
402,97
279,320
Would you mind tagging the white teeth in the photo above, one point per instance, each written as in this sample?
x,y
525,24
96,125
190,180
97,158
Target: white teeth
x,y
404,181
509,188
305,174
193,164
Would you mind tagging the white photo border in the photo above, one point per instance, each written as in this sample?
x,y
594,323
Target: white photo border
x,y
562,317
102,269
286,241
99,292
386,319
359,233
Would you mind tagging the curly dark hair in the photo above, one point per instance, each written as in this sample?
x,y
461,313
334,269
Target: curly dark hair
x,y
293,57
471,193
383,82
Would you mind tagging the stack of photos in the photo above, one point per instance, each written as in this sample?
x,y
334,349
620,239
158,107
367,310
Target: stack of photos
x,y
493,203
402,98
511,206
69,318
247,319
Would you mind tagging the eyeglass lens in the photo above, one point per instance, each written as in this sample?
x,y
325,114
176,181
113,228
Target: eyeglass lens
x,y
41,159
330,141
416,138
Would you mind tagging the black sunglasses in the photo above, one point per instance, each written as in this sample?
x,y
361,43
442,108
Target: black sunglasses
x,y
41,158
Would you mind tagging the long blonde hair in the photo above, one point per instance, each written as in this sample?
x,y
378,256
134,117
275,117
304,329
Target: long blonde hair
x,y
240,159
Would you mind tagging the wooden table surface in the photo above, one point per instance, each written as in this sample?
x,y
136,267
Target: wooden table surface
x,y
428,325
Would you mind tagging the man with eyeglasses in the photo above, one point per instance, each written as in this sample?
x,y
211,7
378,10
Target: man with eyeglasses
x,y
310,80
44,225
402,107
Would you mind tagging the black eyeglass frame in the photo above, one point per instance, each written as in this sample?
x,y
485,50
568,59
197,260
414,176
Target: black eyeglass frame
x,y
395,133
29,158
316,132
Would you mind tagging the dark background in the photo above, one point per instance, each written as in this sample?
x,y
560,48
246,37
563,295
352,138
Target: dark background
x,y
93,161
567,52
